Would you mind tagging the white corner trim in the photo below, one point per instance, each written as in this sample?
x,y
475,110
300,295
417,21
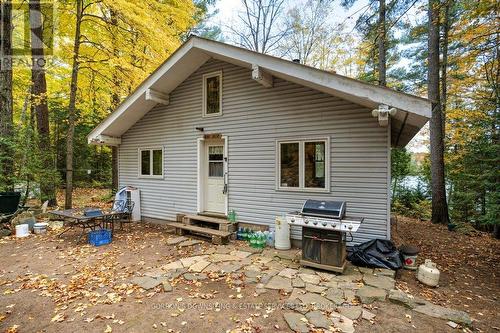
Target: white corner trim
x,y
261,76
199,180
156,96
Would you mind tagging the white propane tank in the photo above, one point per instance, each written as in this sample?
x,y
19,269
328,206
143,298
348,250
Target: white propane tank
x,y
281,234
428,273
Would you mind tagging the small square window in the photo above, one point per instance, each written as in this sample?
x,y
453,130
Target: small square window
x,y
151,162
212,94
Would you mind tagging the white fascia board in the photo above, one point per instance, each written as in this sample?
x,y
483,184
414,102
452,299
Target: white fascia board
x,y
141,90
350,89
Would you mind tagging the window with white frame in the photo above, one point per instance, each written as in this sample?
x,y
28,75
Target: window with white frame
x,y
303,165
212,94
151,162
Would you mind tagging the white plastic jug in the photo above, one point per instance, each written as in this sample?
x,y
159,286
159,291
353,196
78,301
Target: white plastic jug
x,y
22,230
281,234
428,273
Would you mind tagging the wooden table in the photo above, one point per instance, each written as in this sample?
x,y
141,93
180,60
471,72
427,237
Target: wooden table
x,y
76,218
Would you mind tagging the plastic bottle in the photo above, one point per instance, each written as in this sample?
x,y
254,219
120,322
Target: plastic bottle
x,y
270,239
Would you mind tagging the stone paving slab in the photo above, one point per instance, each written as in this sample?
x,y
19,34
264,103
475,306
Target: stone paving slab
x,y
368,294
288,273
172,265
190,242
176,240
318,319
279,282
199,266
310,278
145,282
437,311
379,281
295,322
351,312
342,323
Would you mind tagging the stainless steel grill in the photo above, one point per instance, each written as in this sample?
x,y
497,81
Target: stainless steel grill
x,y
325,249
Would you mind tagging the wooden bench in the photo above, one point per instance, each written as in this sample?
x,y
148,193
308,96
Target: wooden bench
x,y
217,223
218,236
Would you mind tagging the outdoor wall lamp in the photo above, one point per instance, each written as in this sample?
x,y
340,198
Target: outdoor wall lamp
x,y
383,113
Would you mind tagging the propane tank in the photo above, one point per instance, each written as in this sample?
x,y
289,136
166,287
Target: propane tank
x,y
428,273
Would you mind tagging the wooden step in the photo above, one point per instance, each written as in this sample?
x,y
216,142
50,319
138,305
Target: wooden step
x,y
209,219
217,223
218,236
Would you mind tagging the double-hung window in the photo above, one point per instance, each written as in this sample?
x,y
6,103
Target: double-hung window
x,y
303,165
151,162
212,94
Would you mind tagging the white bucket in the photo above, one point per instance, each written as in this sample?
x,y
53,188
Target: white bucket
x,y
22,230
281,234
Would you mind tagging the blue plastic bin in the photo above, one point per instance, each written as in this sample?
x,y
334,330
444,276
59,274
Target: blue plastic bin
x,y
100,237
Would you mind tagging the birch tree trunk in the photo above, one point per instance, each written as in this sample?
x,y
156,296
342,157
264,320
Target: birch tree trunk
x,y
72,106
39,107
439,204
382,64
6,106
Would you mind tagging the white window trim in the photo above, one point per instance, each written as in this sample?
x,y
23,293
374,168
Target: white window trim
x,y
139,163
301,142
204,102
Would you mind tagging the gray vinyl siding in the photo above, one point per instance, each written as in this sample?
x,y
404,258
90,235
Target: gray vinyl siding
x,y
253,119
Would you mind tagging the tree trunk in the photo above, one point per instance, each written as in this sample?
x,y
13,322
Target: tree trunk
x,y
39,105
72,106
439,205
444,63
382,65
115,101
6,105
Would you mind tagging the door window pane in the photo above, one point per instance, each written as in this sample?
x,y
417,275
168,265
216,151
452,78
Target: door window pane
x,y
215,169
213,94
215,161
145,157
157,162
289,164
314,164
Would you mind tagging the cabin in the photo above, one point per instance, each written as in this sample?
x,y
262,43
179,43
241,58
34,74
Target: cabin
x,y
218,128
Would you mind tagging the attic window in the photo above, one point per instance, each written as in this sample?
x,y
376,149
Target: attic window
x,y
212,94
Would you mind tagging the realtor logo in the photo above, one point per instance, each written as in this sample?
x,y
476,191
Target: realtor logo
x,y
32,30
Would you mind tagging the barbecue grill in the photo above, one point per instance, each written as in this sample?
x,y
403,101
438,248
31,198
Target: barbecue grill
x,y
325,227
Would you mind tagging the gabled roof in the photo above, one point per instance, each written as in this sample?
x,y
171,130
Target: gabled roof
x,y
413,112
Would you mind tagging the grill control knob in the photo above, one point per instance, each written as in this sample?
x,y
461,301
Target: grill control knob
x,y
315,222
324,224
292,220
306,221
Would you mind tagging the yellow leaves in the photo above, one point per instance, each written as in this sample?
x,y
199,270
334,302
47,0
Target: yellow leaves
x,y
58,318
108,329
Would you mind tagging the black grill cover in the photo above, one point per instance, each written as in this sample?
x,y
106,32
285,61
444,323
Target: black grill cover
x,y
330,209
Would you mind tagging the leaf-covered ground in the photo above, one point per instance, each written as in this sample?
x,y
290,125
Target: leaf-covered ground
x,y
52,284
469,266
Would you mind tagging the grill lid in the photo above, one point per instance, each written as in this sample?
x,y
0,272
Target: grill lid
x,y
330,209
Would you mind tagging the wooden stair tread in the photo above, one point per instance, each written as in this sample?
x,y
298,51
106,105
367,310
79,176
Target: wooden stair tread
x,y
199,229
209,219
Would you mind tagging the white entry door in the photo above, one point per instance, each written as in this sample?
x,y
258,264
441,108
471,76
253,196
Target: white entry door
x,y
215,192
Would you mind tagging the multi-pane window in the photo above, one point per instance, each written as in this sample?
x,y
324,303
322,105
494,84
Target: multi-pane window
x,y
212,94
151,162
303,164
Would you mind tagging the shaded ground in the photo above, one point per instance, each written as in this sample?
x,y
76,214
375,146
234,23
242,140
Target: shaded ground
x,y
469,265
